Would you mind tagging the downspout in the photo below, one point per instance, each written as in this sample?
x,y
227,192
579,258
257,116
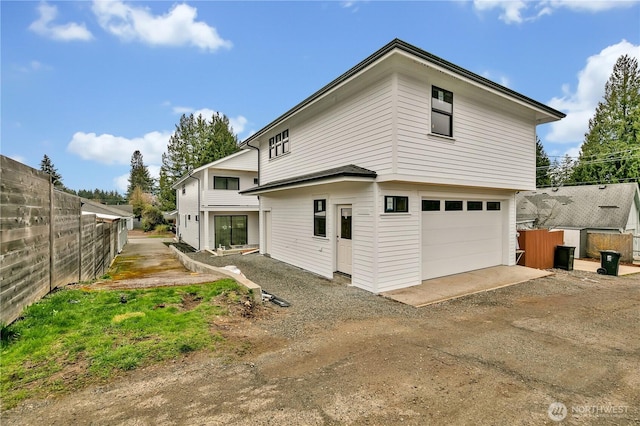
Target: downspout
x,y
257,149
198,211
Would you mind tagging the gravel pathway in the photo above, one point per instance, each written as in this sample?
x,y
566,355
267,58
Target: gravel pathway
x,y
314,299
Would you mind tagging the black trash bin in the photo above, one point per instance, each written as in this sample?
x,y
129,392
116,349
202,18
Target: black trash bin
x,y
563,257
609,262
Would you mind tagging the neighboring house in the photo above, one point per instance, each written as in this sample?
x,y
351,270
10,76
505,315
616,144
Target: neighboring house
x,y
210,211
404,168
107,213
579,210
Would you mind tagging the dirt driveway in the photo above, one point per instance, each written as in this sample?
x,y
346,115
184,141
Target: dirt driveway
x,y
148,262
341,356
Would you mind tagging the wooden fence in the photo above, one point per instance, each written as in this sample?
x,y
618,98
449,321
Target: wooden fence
x,y
623,243
539,247
45,241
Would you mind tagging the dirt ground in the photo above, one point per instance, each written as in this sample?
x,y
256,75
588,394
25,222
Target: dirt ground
x,y
498,358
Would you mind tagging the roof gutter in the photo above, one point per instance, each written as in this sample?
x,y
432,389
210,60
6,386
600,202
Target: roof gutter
x,y
416,52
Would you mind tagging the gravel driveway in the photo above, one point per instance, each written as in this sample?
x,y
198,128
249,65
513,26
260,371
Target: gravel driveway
x,y
565,346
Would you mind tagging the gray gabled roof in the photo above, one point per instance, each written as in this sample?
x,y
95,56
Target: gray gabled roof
x,y
93,207
420,54
590,206
337,172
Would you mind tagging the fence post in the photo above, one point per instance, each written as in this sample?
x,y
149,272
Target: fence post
x,y
51,235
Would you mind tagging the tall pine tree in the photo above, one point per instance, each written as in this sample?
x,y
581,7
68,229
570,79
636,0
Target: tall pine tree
x,y
611,149
543,165
139,176
195,142
46,165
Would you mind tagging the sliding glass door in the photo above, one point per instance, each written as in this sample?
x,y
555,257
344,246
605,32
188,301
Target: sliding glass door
x,y
230,230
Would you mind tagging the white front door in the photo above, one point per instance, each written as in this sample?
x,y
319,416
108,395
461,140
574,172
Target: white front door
x,y
343,232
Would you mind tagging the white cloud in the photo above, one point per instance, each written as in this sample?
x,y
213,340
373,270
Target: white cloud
x,y
33,66
64,32
18,158
117,150
178,27
501,79
519,11
580,105
121,183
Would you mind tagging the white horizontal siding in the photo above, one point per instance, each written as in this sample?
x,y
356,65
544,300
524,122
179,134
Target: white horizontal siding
x,y
398,240
292,239
356,130
491,147
221,198
247,160
187,204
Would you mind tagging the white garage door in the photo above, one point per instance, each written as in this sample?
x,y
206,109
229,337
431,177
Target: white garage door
x,y
460,236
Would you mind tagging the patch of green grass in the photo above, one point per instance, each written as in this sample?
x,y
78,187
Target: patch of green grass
x,y
73,337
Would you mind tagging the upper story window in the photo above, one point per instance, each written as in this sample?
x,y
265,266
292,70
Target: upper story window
x,y
184,189
222,182
279,144
441,112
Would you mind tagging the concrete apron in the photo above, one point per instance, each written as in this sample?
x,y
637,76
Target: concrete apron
x,y
453,286
592,266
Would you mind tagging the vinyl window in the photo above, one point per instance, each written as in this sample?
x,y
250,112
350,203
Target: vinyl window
x,y
320,218
441,111
279,144
231,183
396,204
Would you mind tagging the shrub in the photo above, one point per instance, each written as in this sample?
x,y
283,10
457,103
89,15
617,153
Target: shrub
x,y
151,217
162,228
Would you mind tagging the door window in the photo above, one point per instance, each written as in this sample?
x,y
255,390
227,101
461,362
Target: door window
x,y
345,223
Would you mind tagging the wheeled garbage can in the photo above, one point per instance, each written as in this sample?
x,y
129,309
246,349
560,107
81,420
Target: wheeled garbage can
x,y
609,262
563,257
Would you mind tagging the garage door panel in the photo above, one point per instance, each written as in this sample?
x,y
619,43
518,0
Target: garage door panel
x,y
455,242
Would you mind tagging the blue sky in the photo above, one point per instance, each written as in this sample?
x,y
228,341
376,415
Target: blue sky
x,y
87,83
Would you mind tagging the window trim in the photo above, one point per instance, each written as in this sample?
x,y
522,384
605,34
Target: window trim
x,y
394,201
319,214
435,109
450,203
475,203
423,205
491,206
226,180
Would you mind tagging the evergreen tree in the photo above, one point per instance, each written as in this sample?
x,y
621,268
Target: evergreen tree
x,y
195,142
139,175
611,149
103,197
543,176
46,165
560,172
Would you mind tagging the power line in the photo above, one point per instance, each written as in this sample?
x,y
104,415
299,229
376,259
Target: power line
x,y
600,161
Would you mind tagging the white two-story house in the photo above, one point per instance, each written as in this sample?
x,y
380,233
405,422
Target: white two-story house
x,y
404,168
210,211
